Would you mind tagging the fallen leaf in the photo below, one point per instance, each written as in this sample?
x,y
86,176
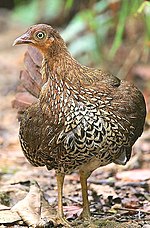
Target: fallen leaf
x,y
29,207
70,211
34,209
3,207
8,216
104,190
132,202
134,175
146,207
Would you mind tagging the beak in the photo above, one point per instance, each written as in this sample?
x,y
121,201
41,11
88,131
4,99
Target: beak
x,y
24,39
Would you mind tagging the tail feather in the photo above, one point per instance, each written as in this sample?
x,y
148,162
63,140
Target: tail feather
x,y
29,84
30,81
35,55
32,67
23,100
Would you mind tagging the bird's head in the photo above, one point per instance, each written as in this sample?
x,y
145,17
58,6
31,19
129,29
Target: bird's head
x,y
43,37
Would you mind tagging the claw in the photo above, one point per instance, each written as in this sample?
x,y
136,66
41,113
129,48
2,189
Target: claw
x,y
63,221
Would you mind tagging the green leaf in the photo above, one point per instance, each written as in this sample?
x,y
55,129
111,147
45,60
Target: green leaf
x,y
69,4
120,28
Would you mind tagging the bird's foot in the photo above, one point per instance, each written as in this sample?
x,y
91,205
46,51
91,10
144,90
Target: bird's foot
x,y
62,220
87,220
85,215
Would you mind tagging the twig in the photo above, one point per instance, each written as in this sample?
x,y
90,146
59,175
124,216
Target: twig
x,y
133,210
142,184
108,217
73,200
108,182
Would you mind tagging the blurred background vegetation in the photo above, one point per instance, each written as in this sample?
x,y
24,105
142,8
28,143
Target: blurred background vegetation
x,y
112,34
96,30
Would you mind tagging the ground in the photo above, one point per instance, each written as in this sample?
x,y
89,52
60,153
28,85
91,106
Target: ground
x,y
119,197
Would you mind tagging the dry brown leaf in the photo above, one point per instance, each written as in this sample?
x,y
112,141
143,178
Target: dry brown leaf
x,y
146,207
48,213
134,175
8,216
29,208
104,190
3,207
34,208
70,211
131,202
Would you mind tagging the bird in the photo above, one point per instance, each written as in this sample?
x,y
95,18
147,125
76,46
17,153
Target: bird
x,y
77,118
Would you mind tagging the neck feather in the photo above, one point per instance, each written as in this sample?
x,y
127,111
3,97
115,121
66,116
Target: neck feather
x,y
61,66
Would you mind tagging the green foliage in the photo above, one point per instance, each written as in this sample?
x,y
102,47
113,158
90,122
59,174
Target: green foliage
x,y
69,4
128,8
147,23
28,12
142,6
145,8
120,27
52,9
94,26
25,12
87,32
96,23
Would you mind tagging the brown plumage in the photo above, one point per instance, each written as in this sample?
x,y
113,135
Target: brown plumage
x,y
74,117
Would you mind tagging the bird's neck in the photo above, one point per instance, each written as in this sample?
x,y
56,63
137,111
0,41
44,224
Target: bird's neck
x,y
61,82
62,67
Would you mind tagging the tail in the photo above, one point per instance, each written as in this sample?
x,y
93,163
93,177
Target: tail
x,y
30,82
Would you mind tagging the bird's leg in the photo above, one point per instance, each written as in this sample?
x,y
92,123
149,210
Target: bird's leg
x,y
86,210
60,215
60,181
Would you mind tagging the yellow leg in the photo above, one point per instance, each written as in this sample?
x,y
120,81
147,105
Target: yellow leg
x,y
60,181
60,215
86,210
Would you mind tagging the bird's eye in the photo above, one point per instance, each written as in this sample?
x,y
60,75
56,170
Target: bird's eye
x,y
40,35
